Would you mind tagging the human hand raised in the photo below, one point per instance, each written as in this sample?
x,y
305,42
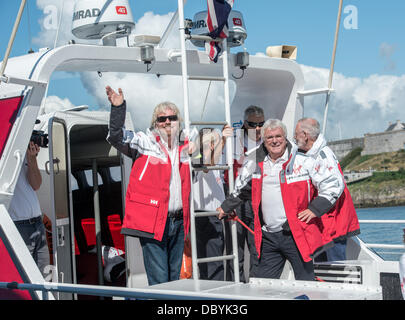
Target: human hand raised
x,y
227,131
116,99
32,151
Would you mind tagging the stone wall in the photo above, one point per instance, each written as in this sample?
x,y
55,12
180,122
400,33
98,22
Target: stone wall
x,y
355,176
384,142
343,147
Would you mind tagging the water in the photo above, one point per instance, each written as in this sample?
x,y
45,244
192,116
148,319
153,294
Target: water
x,y
383,233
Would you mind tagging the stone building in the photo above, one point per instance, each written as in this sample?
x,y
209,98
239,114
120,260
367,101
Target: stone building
x,y
344,147
392,139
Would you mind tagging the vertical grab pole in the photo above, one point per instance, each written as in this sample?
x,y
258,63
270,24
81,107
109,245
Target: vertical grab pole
x,y
187,128
325,116
229,154
97,221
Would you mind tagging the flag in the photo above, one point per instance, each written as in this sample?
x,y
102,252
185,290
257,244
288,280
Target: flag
x,y
217,22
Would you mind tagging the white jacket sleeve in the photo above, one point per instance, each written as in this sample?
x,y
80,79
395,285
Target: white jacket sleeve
x,y
328,180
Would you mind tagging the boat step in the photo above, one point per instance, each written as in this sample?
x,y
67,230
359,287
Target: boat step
x,y
206,214
339,273
214,259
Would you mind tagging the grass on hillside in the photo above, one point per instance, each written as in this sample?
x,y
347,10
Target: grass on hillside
x,y
385,186
390,161
349,158
379,177
381,183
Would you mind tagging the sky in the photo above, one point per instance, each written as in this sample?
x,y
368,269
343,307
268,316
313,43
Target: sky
x,y
369,76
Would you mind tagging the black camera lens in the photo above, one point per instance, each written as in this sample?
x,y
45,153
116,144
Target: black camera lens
x,y
40,138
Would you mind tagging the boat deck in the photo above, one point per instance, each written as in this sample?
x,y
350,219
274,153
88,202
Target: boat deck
x,y
270,289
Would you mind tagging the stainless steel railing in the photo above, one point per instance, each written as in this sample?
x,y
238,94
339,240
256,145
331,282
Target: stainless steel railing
x,y
384,246
109,291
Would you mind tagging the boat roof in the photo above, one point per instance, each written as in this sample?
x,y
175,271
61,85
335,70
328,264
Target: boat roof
x,y
267,82
272,83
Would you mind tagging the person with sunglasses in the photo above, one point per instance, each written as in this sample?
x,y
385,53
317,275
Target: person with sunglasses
x,y
157,208
246,139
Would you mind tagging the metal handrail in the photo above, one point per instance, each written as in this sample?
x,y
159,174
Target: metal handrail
x,y
109,291
384,246
383,221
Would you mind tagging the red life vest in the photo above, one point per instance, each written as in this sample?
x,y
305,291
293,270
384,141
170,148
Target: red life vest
x,y
148,194
340,222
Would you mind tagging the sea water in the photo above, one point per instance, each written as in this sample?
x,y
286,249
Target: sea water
x,y
383,233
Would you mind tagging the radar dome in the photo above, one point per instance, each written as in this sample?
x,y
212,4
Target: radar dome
x,y
94,19
236,27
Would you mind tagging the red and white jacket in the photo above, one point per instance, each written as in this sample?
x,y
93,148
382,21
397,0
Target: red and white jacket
x,y
308,180
148,192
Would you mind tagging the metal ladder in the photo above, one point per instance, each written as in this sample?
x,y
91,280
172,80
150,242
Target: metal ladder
x,y
229,143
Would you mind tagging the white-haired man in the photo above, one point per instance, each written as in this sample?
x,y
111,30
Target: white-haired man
x,y
282,185
157,201
339,215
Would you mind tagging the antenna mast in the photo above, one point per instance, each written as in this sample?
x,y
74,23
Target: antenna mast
x,y
12,37
332,67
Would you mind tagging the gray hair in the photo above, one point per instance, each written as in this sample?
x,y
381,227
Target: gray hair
x,y
311,127
161,108
274,124
253,110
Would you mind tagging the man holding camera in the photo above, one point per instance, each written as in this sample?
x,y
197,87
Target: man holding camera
x,y
25,209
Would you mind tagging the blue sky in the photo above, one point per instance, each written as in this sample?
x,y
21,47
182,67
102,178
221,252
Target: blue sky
x,y
368,57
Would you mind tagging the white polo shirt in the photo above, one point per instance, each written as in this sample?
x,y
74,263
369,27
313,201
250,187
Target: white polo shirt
x,y
272,202
208,190
24,204
175,201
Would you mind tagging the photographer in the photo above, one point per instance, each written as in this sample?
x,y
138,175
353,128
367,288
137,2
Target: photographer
x,y
25,209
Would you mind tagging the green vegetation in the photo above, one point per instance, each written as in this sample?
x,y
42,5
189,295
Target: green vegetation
x,y
355,153
379,177
390,161
385,187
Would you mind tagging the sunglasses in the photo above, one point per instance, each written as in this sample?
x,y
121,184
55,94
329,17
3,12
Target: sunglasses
x,y
255,124
162,119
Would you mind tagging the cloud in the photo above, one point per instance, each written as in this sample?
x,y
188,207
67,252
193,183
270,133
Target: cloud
x,y
55,13
54,103
386,52
149,89
359,106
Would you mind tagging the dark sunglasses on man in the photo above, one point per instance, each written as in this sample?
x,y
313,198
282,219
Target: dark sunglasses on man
x,y
255,124
162,119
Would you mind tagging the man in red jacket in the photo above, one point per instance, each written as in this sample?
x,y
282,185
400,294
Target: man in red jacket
x,y
157,200
312,143
294,198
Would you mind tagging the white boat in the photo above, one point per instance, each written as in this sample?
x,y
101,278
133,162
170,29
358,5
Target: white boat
x,y
77,144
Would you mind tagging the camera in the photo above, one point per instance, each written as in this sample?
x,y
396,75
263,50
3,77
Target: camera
x,y
40,138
